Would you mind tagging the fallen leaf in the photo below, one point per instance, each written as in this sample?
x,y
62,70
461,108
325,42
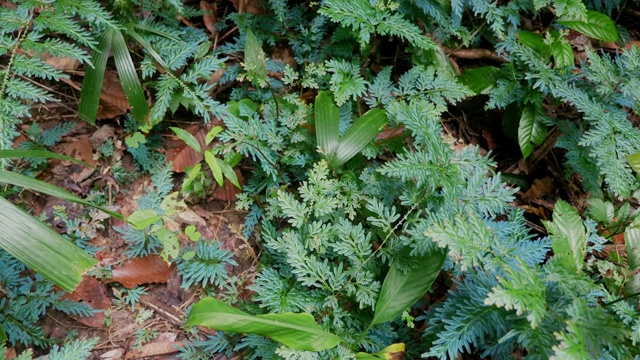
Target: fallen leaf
x,y
101,135
180,155
92,292
228,191
538,189
209,15
153,349
80,149
189,217
113,102
150,269
115,354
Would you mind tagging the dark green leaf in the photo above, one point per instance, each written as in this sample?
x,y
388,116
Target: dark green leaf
x,y
3,336
129,78
399,291
327,123
535,42
562,52
20,180
531,130
480,80
188,139
298,331
363,130
597,25
41,248
93,78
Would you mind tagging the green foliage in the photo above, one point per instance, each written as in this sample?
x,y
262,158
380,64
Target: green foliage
x,y
205,264
26,300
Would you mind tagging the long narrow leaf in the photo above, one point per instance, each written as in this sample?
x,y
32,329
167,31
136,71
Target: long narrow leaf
x,y
210,159
298,331
16,153
327,123
129,78
228,172
93,78
399,291
12,178
363,130
147,46
632,242
188,139
41,248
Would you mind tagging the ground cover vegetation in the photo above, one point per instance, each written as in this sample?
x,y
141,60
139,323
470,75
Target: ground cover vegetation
x,y
319,180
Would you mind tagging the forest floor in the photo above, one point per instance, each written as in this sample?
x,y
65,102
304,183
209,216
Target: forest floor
x,y
153,327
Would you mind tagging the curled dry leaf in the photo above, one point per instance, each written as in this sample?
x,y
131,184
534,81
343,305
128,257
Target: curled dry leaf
x,y
163,345
150,269
209,17
92,292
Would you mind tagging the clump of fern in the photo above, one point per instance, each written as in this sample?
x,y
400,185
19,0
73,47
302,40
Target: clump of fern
x,y
204,264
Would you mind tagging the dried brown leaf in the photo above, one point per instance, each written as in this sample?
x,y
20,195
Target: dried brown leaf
x,y
92,292
150,269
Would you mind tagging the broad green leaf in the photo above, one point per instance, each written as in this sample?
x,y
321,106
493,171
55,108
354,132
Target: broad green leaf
x,y
297,331
191,175
535,42
20,180
255,60
188,139
632,242
601,211
228,172
142,219
212,134
327,123
363,130
480,80
129,78
188,255
170,243
16,153
597,25
531,130
399,291
634,162
569,237
41,248
93,78
562,52
214,166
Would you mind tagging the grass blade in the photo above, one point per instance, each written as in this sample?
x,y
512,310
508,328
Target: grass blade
x,y
41,248
365,129
93,78
12,178
129,78
327,123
